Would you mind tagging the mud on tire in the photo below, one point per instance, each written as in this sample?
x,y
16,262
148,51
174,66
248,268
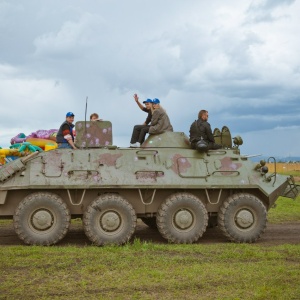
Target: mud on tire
x,y
42,219
182,218
242,218
110,219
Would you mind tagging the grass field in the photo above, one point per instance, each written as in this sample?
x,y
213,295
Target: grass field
x,y
156,271
149,271
285,210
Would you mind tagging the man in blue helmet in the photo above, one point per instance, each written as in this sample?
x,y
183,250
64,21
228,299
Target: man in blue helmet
x,y
65,137
139,131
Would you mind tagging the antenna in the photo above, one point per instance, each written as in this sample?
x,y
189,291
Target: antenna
x,y
86,101
85,108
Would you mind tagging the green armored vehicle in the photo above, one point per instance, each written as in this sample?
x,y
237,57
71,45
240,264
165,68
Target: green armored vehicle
x,y
165,183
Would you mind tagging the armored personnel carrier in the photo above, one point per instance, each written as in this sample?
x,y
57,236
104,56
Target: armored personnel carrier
x,y
165,183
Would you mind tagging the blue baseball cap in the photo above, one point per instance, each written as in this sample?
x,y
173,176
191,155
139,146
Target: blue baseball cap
x,y
155,101
70,114
147,101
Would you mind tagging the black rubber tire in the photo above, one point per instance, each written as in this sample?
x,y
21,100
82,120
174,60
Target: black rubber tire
x,y
150,222
242,218
109,210
42,218
177,211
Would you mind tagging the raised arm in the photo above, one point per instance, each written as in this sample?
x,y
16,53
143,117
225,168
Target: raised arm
x,y
136,98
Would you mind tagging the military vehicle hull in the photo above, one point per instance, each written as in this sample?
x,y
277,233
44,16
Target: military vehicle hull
x,y
167,184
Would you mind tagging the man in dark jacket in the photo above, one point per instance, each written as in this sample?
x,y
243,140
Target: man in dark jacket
x,y
201,131
65,137
139,131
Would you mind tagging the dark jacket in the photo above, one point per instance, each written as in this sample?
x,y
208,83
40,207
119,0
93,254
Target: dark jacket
x,y
149,117
199,129
65,128
160,122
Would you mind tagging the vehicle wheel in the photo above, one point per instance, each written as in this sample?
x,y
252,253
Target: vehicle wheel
x,y
151,222
242,218
182,218
42,219
109,219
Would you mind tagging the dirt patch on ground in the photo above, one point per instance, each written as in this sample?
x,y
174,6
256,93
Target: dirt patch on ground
x,y
275,234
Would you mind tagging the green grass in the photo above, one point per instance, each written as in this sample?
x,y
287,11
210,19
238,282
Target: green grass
x,y
150,271
285,210
156,271
294,173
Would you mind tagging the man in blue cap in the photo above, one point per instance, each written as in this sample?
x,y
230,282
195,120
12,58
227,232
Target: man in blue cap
x,y
139,131
160,121
65,137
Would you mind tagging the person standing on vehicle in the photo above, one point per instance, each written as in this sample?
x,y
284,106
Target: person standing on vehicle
x,y
201,136
139,131
65,137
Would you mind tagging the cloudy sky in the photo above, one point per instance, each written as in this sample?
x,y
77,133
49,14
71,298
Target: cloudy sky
x,y
238,59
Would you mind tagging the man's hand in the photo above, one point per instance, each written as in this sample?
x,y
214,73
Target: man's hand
x,y
136,98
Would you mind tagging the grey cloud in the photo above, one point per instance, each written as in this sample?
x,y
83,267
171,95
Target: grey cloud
x,y
59,53
271,4
261,11
71,40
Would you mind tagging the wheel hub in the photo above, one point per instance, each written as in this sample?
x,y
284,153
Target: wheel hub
x,y
244,218
110,221
183,219
42,220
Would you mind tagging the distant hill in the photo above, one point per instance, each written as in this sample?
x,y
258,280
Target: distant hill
x,y
290,159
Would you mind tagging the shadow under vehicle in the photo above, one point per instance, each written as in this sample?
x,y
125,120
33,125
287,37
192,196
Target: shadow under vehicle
x,y
178,190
